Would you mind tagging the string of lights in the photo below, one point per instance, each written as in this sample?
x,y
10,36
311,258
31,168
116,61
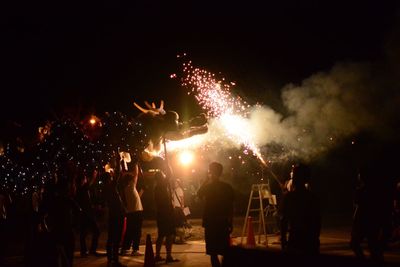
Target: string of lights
x,y
89,144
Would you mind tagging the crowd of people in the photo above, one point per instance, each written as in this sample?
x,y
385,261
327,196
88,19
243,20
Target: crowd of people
x,y
64,212
65,208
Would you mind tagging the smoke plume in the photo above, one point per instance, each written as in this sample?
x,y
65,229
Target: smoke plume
x,y
322,111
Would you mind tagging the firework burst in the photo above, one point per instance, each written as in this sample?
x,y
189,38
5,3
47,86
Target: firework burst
x,y
213,95
228,112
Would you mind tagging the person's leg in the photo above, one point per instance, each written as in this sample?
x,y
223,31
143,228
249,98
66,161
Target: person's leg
x,y
82,235
114,238
117,237
215,260
95,235
70,247
110,235
3,234
137,230
159,242
168,246
375,244
357,236
127,239
217,238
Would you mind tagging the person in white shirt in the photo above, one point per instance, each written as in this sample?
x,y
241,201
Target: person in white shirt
x,y
134,210
178,202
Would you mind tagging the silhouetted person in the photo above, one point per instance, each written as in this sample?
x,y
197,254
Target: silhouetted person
x,y
61,213
4,203
373,209
87,219
116,213
396,214
300,221
218,213
36,232
165,217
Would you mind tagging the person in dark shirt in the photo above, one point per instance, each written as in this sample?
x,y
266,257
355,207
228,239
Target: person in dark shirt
x,y
87,218
116,213
218,213
61,211
373,203
300,216
165,217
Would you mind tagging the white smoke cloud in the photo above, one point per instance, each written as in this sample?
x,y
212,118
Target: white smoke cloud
x,y
323,110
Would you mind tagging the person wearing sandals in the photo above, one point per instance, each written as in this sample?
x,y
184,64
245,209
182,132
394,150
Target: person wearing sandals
x,y
165,217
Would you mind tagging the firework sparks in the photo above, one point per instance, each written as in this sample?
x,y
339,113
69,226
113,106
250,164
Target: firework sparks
x,y
212,94
237,129
228,112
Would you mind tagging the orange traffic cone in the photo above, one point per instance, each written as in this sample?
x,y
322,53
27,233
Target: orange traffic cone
x,y
149,260
250,241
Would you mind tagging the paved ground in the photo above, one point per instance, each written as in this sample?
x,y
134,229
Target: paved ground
x,y
334,241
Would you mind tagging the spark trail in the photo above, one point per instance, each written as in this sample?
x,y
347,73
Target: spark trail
x,y
230,113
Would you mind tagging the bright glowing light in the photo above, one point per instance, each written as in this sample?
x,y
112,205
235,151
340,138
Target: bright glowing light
x,y
107,168
194,141
186,157
93,120
229,111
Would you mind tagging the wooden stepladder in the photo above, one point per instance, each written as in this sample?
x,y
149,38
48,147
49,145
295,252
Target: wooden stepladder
x,y
257,209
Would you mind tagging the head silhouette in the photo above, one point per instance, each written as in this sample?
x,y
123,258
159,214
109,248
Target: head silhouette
x,y
215,170
301,175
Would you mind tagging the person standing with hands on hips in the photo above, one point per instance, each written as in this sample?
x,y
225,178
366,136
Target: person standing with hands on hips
x,y
218,213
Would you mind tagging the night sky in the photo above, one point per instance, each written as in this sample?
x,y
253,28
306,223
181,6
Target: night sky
x,y
96,56
103,56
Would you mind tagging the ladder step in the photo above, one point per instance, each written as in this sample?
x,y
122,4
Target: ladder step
x,y
255,222
255,210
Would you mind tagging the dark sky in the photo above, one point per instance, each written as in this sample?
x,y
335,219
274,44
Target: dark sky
x,y
103,55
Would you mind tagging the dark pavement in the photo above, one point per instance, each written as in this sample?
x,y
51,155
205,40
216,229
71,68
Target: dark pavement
x,y
334,243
